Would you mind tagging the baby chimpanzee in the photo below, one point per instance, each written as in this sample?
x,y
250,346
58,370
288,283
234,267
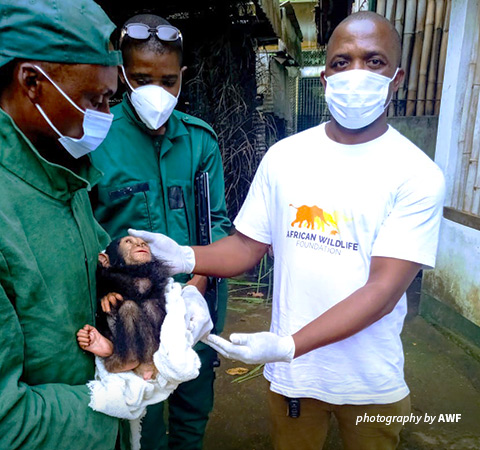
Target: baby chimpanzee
x,y
128,329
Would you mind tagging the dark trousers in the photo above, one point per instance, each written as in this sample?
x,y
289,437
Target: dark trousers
x,y
188,409
309,431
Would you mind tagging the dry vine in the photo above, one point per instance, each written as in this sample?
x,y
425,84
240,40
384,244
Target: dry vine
x,y
223,92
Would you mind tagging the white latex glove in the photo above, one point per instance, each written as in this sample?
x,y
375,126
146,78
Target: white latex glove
x,y
180,258
254,348
197,317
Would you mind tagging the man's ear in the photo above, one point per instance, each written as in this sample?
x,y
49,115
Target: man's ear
x,y
398,79
183,69
104,260
322,79
30,80
121,76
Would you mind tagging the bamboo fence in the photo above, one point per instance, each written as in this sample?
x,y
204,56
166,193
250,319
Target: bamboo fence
x,y
423,26
466,194
443,56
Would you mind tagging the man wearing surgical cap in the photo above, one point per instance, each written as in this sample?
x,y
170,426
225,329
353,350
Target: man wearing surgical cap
x,y
57,73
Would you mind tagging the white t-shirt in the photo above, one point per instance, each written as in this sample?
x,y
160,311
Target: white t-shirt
x,y
326,209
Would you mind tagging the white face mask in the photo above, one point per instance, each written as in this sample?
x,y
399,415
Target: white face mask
x,y
95,126
154,104
356,98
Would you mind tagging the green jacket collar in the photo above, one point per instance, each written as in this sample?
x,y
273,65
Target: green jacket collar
x,y
20,157
175,126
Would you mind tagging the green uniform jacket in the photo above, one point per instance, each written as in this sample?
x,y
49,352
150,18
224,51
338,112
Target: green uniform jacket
x,y
148,181
49,244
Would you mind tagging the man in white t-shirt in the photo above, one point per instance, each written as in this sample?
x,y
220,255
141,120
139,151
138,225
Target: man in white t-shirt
x,y
352,211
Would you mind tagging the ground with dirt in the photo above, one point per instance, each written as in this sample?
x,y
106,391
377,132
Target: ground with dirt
x,y
444,378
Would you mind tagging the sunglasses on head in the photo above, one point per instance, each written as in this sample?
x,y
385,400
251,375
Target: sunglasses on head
x,y
166,33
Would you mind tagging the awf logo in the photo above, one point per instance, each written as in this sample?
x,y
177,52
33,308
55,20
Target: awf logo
x,y
320,231
313,217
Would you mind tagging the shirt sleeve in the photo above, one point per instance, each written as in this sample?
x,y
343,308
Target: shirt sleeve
x,y
48,416
102,236
254,217
411,230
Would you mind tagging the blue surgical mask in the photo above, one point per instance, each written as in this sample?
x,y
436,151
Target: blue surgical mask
x,y
96,125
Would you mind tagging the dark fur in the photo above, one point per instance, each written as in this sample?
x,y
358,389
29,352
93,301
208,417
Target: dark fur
x,y
134,323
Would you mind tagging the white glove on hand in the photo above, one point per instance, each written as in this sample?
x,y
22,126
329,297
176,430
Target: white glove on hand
x,y
254,348
197,317
180,258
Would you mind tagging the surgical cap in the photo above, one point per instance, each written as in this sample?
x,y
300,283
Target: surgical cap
x,y
62,31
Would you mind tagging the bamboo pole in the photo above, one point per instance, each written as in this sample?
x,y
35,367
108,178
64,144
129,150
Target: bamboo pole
x,y
476,145
473,174
435,53
459,186
472,143
381,4
417,53
466,183
443,57
390,16
400,16
390,10
476,192
399,13
426,50
476,137
407,47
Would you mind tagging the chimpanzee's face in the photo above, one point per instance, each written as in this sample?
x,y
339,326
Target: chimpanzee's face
x,y
134,250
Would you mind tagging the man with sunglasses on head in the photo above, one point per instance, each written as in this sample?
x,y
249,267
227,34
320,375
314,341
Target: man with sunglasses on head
x,y
57,73
150,159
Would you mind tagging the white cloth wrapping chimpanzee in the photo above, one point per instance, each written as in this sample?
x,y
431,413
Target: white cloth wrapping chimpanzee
x,y
126,395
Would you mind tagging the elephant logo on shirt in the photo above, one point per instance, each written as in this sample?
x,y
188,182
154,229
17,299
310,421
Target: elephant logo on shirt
x,y
314,217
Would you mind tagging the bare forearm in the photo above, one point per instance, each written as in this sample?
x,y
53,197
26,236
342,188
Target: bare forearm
x,y
229,256
356,312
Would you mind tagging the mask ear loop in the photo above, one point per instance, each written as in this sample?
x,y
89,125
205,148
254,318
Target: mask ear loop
x,y
44,115
59,89
395,74
126,78
128,83
391,98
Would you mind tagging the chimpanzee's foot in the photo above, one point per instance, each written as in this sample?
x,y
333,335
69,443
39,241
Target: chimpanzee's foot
x,y
147,371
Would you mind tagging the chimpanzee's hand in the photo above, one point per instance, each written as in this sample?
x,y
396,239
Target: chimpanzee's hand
x,y
180,258
110,299
254,348
197,317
